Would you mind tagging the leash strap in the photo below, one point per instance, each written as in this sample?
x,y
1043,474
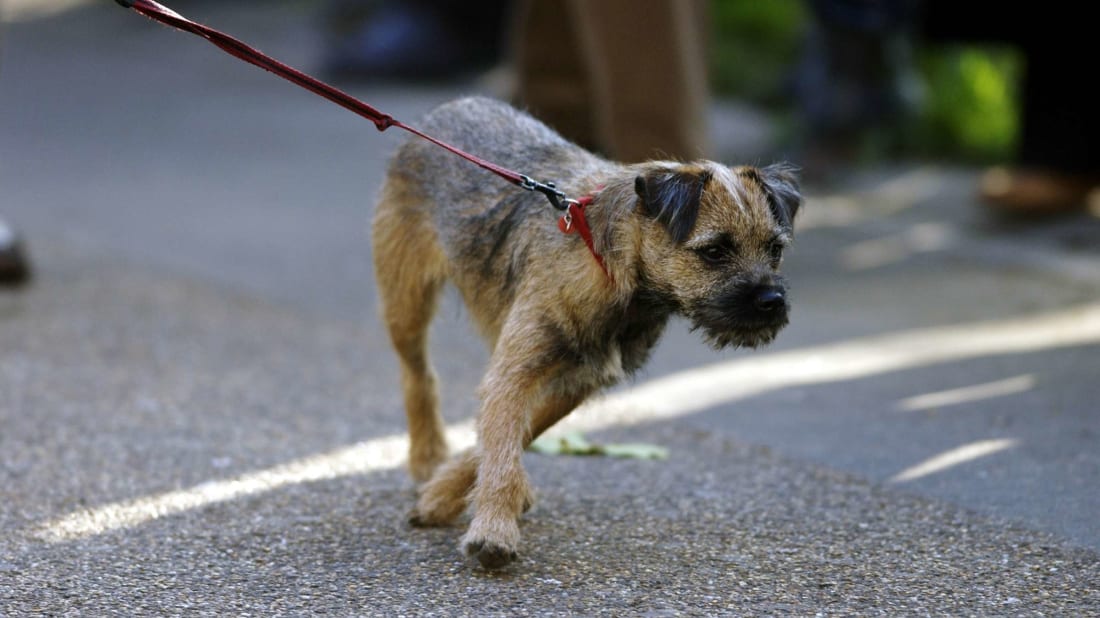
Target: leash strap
x,y
382,121
573,219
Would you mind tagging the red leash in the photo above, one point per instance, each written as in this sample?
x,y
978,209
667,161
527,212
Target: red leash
x,y
573,219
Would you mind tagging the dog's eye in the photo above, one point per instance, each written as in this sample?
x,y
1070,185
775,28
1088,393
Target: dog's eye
x,y
714,254
775,252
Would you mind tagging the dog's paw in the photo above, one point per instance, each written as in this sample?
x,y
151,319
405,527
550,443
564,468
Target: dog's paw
x,y
435,513
436,507
490,555
416,519
494,546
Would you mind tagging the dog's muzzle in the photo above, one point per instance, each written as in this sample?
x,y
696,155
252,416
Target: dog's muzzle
x,y
746,314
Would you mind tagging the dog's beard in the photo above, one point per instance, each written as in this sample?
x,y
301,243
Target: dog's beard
x,y
740,337
729,320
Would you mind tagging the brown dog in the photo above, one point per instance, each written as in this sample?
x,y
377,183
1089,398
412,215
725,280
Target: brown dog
x,y
698,239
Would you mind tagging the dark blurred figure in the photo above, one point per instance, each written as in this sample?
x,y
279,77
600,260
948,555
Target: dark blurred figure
x,y
853,77
624,77
851,81
414,39
15,269
1057,164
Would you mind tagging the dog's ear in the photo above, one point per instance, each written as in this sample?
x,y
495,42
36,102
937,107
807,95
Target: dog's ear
x,y
784,199
672,198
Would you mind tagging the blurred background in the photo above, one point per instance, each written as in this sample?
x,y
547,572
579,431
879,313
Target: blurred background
x,y
187,292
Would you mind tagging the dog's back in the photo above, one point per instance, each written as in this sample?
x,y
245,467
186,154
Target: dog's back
x,y
471,215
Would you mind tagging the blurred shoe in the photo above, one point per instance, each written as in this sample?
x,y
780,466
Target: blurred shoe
x,y
1034,192
413,40
15,270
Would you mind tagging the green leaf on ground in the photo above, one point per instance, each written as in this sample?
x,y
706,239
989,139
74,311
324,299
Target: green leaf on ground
x,y
576,444
567,444
636,450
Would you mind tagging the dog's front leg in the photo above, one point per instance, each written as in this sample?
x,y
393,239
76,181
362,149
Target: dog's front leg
x,y
502,487
509,396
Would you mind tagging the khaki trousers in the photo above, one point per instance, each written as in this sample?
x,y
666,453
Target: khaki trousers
x,y
624,77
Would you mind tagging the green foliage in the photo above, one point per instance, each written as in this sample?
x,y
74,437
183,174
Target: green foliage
x,y
576,444
970,106
754,44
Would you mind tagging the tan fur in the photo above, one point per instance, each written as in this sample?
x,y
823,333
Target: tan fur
x,y
696,239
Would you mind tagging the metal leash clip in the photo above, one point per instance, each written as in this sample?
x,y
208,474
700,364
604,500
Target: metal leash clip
x,y
557,197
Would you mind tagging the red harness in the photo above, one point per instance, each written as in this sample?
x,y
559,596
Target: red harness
x,y
572,220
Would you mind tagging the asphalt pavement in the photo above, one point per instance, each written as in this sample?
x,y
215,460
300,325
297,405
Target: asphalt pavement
x,y
199,412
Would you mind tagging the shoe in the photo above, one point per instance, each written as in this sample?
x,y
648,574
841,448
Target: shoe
x,y
1036,192
15,269
412,41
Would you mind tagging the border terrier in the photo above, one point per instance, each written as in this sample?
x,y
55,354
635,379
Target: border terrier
x,y
700,239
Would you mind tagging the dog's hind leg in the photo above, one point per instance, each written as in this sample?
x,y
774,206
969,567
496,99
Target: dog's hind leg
x,y
410,269
446,495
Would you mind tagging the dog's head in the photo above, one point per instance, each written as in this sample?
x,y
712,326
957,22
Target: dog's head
x,y
712,242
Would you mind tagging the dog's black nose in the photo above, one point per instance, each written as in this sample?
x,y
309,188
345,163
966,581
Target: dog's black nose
x,y
770,298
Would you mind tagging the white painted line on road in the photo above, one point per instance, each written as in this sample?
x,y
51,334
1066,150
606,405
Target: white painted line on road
x,y
968,394
25,10
954,457
894,195
368,456
723,383
671,396
879,252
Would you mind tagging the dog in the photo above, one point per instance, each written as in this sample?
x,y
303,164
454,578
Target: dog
x,y
697,239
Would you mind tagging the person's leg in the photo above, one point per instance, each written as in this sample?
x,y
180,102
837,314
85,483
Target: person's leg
x,y
552,82
647,65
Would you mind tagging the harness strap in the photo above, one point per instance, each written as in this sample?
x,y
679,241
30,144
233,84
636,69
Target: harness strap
x,y
574,221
